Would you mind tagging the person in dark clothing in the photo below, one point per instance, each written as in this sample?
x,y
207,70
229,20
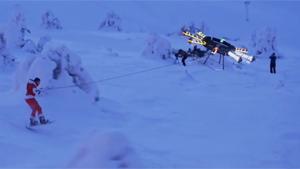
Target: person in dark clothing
x,y
183,54
198,52
273,63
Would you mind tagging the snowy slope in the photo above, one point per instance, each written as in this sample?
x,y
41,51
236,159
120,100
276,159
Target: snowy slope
x,y
177,116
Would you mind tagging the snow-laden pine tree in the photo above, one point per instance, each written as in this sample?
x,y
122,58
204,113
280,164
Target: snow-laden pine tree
x,y
112,22
42,42
6,59
31,47
157,46
57,64
50,21
264,41
17,29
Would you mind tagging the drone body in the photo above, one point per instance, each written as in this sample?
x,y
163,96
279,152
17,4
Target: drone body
x,y
216,45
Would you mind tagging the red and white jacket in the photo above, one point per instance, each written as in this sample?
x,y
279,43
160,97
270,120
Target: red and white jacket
x,y
31,89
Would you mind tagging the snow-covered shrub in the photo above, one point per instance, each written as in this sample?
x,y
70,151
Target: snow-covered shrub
x,y
30,46
264,41
55,64
70,62
17,29
112,22
34,65
50,21
6,59
42,42
108,150
157,46
194,28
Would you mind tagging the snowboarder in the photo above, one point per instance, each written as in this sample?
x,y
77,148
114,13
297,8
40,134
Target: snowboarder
x,y
32,102
273,63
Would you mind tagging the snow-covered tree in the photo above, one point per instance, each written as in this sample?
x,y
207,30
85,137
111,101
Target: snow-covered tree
x,y
50,21
56,64
5,56
105,150
17,29
34,65
70,62
30,46
157,46
42,42
264,41
194,28
112,22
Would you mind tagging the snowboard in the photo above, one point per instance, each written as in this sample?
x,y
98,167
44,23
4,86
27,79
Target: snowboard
x,y
34,128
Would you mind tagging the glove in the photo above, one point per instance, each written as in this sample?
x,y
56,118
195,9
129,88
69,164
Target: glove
x,y
39,91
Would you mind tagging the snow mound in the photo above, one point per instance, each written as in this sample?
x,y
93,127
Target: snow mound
x,y
107,150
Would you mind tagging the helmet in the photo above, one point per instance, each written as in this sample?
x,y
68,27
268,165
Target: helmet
x,y
37,79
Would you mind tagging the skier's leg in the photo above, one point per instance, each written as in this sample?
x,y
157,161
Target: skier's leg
x,y
183,60
31,104
40,113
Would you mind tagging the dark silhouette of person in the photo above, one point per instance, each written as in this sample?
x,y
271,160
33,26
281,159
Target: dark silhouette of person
x,y
198,52
183,54
273,58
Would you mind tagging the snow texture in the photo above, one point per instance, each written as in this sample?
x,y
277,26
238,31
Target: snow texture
x,y
106,150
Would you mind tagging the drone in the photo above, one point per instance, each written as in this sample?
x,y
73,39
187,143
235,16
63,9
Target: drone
x,y
220,46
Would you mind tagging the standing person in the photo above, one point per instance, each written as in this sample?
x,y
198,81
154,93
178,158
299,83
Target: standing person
x,y
273,58
184,56
31,92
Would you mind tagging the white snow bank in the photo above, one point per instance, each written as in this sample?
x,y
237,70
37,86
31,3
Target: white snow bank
x,y
106,150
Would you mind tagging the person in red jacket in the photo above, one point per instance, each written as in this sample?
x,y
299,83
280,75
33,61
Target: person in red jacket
x,y
31,92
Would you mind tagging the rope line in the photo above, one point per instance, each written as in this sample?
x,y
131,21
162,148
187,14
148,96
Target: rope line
x,y
115,77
